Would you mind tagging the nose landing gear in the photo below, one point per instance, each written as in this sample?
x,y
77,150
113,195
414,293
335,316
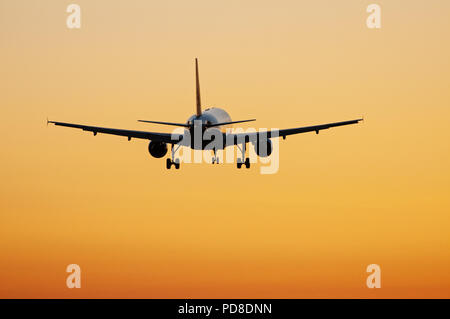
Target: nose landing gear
x,y
243,160
215,158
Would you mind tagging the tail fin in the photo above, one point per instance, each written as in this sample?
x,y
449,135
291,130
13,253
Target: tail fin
x,y
197,82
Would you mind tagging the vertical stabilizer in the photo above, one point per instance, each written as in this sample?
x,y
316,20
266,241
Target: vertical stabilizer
x,y
197,91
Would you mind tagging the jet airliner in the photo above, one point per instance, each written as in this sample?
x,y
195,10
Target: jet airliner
x,y
211,120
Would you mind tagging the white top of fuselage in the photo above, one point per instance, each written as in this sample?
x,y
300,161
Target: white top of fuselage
x,y
212,115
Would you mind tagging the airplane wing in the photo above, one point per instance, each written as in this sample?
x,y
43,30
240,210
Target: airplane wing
x,y
159,137
283,133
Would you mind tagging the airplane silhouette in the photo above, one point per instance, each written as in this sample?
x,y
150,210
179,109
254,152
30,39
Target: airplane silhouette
x,y
202,131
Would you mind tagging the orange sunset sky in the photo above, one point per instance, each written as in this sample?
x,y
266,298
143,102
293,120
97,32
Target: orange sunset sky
x,y
377,192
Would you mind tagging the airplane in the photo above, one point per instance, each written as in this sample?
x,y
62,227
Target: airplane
x,y
211,120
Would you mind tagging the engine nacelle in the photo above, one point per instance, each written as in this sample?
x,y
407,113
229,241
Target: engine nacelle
x,y
263,150
157,149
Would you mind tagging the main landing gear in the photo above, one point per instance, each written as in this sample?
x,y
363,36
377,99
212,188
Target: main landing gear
x,y
172,161
243,161
169,163
246,163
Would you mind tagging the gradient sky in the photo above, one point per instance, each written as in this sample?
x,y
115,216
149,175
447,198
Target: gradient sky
x,y
377,192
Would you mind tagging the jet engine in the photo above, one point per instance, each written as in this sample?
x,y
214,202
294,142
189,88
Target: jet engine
x,y
263,150
157,149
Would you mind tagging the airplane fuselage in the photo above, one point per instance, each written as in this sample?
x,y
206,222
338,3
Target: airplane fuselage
x,y
213,115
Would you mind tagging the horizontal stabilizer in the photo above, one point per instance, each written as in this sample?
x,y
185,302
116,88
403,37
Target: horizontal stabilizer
x,y
228,123
165,123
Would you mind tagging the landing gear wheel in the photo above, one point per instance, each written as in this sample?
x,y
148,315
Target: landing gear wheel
x,y
168,163
213,160
241,161
177,165
247,162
